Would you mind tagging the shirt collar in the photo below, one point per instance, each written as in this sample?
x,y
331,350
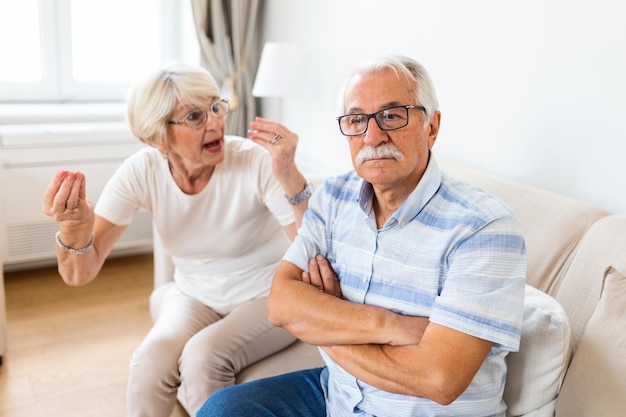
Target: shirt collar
x,y
415,202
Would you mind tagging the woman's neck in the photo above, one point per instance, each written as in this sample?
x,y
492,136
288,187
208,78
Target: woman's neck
x,y
191,181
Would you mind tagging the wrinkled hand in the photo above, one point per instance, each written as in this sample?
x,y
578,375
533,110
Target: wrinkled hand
x,y
280,142
322,276
65,198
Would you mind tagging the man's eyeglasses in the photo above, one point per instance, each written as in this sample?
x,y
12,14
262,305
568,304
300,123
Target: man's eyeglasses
x,y
198,118
387,119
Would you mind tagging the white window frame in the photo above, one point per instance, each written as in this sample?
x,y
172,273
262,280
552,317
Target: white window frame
x,y
57,85
46,88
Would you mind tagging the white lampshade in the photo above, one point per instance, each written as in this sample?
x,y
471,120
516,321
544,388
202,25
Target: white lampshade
x,y
278,71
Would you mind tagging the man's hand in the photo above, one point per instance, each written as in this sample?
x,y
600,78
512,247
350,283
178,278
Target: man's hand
x,y
299,303
322,276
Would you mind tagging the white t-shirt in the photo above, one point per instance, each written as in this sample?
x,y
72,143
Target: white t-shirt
x,y
226,240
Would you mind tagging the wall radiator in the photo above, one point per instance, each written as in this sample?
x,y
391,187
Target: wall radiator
x,y
30,155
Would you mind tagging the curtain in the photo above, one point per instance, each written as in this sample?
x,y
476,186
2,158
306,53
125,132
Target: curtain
x,y
229,48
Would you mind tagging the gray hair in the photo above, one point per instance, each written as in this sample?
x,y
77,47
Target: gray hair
x,y
413,70
152,101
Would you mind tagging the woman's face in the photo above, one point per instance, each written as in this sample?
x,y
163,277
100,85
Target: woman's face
x,y
196,145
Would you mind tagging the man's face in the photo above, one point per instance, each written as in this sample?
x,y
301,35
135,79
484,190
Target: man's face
x,y
370,93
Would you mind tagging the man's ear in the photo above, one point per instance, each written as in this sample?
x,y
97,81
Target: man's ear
x,y
433,127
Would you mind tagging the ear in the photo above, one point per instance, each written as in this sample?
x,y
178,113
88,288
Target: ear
x,y
433,127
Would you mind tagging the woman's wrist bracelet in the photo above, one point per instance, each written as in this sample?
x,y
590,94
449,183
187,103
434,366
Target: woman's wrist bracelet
x,y
74,251
301,196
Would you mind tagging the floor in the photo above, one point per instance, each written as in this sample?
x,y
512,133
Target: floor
x,y
69,348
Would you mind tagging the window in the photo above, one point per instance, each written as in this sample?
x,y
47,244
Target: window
x,y
86,50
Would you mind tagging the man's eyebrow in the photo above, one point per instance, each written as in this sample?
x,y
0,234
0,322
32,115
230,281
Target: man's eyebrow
x,y
391,104
354,110
359,110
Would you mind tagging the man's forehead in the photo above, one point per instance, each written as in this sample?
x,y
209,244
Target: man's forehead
x,y
377,90
352,109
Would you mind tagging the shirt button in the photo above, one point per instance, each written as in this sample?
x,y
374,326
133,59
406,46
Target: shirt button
x,y
364,280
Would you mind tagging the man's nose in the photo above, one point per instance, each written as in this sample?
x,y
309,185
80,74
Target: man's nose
x,y
374,135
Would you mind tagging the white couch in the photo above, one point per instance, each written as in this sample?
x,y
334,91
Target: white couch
x,y
3,317
3,312
572,357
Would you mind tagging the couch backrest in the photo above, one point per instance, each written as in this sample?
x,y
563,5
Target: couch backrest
x,y
572,246
603,246
552,223
593,294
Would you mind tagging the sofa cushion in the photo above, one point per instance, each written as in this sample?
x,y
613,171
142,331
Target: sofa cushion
x,y
295,357
580,288
536,372
595,384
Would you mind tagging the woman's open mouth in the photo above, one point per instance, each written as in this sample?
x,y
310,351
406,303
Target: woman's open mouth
x,y
213,146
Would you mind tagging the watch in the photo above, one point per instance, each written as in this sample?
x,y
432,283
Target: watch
x,y
302,195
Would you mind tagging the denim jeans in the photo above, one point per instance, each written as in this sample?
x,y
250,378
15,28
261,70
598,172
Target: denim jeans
x,y
294,394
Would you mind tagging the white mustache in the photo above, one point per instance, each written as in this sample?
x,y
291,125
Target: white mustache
x,y
382,151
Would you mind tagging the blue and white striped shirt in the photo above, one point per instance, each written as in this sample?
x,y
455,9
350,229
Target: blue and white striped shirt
x,y
451,252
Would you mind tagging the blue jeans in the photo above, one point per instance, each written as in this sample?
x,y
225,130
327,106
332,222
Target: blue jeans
x,y
294,394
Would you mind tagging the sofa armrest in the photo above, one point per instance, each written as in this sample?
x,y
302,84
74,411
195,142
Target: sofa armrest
x,y
3,316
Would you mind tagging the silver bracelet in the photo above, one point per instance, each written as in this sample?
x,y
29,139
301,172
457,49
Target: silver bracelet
x,y
74,251
301,196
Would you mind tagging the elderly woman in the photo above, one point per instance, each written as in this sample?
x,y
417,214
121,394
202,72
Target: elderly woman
x,y
225,208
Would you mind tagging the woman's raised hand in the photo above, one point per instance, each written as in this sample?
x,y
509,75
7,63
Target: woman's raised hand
x,y
280,142
65,198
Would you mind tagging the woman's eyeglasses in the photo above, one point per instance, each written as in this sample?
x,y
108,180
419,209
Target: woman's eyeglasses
x,y
198,118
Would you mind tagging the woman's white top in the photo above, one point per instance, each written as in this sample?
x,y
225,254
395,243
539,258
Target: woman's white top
x,y
225,241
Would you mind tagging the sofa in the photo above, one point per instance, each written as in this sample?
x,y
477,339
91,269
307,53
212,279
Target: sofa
x,y
571,360
3,316
3,311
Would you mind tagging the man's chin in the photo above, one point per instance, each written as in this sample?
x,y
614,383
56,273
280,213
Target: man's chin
x,y
374,171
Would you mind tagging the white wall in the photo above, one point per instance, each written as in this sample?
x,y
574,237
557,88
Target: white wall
x,y
533,90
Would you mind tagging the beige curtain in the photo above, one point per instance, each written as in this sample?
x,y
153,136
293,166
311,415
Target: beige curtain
x,y
228,35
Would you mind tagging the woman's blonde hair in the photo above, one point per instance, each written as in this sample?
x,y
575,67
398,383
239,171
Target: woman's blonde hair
x,y
151,101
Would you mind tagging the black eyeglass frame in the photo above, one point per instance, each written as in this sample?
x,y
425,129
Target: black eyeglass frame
x,y
373,115
183,121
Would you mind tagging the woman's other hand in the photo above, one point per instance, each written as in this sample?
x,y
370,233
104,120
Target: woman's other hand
x,y
281,143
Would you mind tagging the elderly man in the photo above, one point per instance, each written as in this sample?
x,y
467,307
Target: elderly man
x,y
409,281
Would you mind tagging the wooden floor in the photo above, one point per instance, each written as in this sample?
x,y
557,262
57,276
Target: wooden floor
x,y
69,348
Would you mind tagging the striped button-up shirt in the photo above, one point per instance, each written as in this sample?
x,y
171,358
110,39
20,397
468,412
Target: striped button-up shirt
x,y
451,252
